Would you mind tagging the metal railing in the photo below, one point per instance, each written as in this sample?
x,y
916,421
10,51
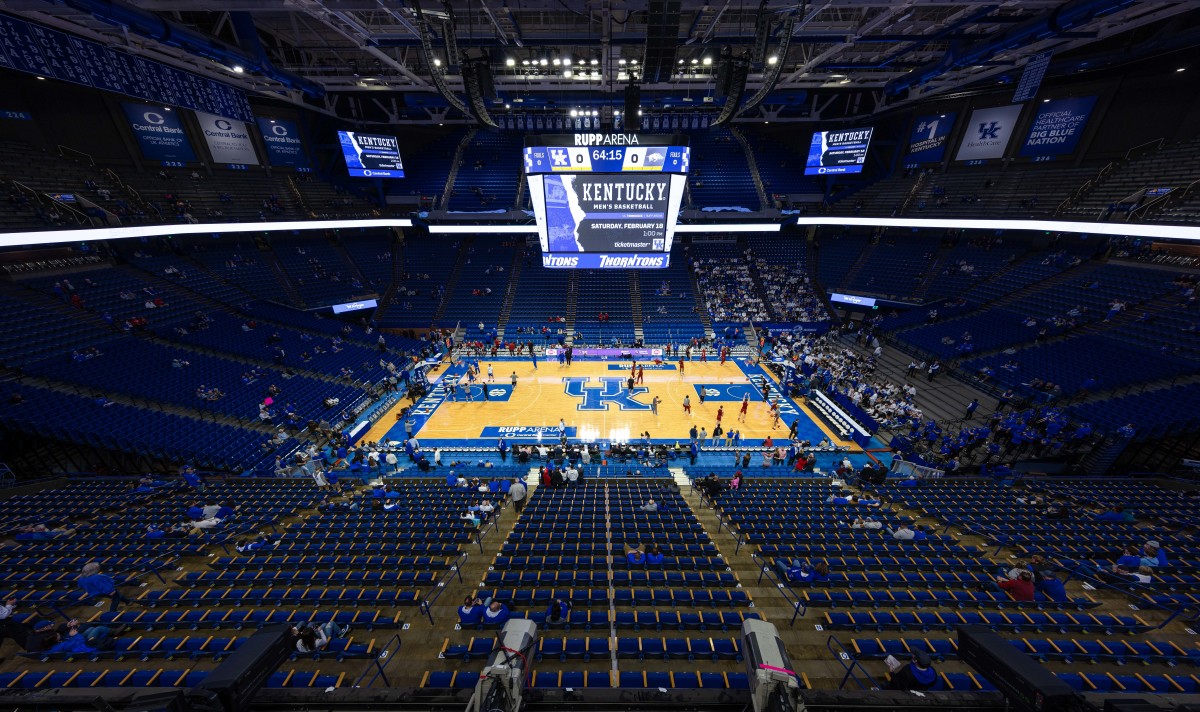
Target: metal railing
x,y
64,150
1162,201
380,662
455,570
799,609
850,663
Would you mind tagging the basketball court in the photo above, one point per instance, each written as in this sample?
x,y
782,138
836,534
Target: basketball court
x,y
594,402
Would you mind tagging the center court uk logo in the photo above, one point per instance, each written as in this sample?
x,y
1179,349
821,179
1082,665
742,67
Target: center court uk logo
x,y
611,390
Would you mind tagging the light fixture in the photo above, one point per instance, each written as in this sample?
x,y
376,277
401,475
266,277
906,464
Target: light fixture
x,y
167,108
437,62
544,61
616,113
41,79
567,73
633,61
524,62
1045,101
595,62
596,74
766,122
510,62
695,61
941,116
620,61
680,61
557,62
595,112
1181,69
237,69
574,113
567,62
772,59
639,112
707,61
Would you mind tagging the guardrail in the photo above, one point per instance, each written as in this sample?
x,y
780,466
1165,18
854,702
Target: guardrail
x,y
64,150
799,610
850,663
385,657
1134,591
426,605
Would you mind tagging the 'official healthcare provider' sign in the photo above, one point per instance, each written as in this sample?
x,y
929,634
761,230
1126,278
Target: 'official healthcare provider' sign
x,y
927,144
158,133
1058,126
228,139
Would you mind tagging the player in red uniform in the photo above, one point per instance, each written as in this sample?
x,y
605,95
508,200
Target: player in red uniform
x,y
745,407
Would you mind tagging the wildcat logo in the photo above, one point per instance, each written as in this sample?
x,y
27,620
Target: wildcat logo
x,y
611,390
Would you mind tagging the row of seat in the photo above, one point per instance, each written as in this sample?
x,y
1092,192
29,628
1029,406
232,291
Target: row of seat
x,y
627,679
154,677
505,562
930,597
618,578
242,618
1013,621
279,597
1118,651
299,577
585,649
194,647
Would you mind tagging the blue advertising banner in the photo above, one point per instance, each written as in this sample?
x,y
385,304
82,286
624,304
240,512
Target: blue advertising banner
x,y
599,261
525,431
927,144
159,134
1058,126
371,155
285,148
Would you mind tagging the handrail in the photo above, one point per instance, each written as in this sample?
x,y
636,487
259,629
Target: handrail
x,y
455,570
1086,188
1161,201
842,655
62,150
1157,143
1134,591
387,655
799,609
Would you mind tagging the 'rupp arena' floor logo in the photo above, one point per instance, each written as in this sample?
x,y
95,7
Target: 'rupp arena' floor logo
x,y
611,390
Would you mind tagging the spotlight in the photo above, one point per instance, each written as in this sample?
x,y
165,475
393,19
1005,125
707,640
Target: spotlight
x,y
1181,69
567,62
620,61
544,61
574,113
708,61
237,69
772,59
595,62
695,61
524,62
508,106
557,62
567,73
437,62
595,112
510,62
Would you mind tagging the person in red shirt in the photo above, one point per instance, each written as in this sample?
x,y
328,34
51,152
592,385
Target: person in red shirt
x,y
1020,588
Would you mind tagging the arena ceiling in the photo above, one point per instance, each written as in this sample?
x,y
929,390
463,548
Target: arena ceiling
x,y
406,60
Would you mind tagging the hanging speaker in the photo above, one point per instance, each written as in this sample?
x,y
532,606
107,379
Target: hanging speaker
x,y
633,104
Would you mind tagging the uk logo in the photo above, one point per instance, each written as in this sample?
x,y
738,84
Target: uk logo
x,y
611,390
558,157
991,130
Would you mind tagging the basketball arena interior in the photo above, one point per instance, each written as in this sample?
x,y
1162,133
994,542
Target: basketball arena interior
x,y
501,355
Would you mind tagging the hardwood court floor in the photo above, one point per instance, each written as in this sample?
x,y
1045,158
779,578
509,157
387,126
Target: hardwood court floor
x,y
541,398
